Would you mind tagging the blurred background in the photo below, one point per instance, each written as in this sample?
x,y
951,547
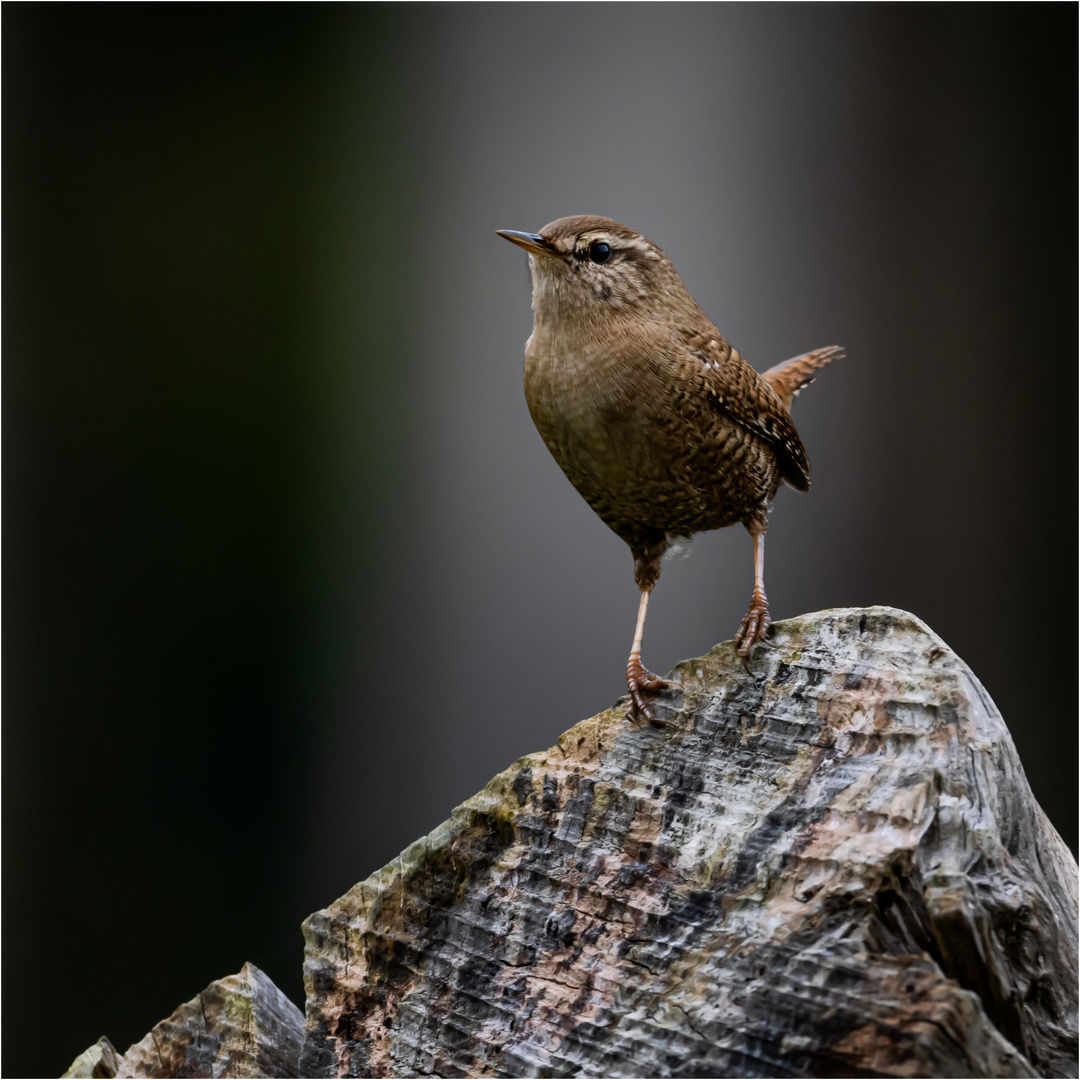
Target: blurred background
x,y
289,573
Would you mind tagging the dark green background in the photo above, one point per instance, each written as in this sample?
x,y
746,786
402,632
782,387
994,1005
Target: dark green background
x,y
287,571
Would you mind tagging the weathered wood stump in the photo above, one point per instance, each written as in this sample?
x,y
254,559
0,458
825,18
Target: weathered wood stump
x,y
836,869
242,1025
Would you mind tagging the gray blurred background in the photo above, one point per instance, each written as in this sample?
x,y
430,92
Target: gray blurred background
x,y
289,573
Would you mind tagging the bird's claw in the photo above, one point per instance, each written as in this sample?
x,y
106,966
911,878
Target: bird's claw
x,y
753,628
639,680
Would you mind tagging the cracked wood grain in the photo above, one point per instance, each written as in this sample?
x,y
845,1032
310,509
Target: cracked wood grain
x,y
242,1025
838,870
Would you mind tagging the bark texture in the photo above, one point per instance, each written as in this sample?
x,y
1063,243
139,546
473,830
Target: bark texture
x,y
99,1062
837,869
242,1025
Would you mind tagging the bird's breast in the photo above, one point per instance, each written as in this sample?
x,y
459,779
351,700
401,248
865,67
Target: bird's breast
x,y
637,442
578,397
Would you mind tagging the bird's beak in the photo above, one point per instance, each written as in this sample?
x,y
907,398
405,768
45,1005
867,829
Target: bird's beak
x,y
533,243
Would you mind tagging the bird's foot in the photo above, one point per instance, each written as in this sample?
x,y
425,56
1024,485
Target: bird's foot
x,y
640,681
753,628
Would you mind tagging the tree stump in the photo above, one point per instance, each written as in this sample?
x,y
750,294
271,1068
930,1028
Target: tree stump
x,y
242,1025
834,869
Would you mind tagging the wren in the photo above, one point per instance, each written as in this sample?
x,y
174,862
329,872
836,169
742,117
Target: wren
x,y
659,423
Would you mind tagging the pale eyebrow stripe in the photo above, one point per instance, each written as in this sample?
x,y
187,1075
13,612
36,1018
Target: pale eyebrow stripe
x,y
616,243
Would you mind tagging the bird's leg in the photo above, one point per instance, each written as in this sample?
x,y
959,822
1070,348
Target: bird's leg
x,y
755,624
638,678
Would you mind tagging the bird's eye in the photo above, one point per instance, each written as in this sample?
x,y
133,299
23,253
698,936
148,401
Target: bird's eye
x,y
599,253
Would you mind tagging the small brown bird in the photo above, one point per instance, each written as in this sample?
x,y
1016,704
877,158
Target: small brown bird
x,y
656,420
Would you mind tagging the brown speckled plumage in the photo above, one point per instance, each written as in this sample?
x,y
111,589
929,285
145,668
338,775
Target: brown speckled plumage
x,y
656,420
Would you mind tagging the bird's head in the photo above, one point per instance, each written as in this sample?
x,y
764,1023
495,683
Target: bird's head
x,y
587,266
